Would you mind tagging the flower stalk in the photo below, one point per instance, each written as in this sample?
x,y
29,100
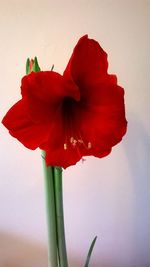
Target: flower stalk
x,y
62,252
57,253
51,214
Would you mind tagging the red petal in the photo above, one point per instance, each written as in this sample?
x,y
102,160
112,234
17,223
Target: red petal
x,y
19,124
88,61
104,125
100,117
43,92
56,155
61,157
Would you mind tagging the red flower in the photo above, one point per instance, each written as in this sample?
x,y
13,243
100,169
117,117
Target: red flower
x,y
79,113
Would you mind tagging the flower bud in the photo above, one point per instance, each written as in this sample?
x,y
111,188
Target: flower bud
x,y
32,65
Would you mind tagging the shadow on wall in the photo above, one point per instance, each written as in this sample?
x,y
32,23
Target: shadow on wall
x,y
137,149
16,251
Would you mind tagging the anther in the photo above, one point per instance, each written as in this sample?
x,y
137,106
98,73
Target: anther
x,y
65,146
74,142
71,139
80,141
89,145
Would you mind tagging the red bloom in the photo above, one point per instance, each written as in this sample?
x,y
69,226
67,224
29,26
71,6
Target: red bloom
x,y
76,114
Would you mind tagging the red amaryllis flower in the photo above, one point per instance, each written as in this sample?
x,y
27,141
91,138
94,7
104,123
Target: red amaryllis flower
x,y
79,113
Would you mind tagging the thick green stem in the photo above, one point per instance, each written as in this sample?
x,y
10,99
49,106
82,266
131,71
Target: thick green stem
x,y
51,214
62,253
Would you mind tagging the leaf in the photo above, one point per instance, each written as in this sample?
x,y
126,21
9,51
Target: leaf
x,y
90,252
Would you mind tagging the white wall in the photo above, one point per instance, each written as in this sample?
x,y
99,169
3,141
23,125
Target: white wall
x,y
106,197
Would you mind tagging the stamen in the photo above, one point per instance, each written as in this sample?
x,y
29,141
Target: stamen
x,y
74,142
89,145
65,146
80,141
71,139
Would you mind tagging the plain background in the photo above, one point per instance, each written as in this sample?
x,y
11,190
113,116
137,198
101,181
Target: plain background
x,y
106,197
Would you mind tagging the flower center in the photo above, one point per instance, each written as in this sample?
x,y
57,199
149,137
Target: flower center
x,y
71,113
69,104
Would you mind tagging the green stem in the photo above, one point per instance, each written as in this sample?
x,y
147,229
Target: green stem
x,y
62,253
51,214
